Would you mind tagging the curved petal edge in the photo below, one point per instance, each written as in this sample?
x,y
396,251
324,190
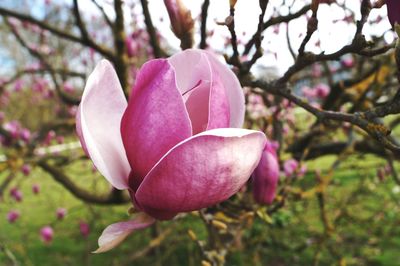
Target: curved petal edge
x,y
201,171
98,124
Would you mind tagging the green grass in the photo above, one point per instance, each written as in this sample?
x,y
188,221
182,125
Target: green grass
x,y
368,235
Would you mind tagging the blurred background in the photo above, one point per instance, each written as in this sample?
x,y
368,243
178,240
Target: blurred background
x,y
339,192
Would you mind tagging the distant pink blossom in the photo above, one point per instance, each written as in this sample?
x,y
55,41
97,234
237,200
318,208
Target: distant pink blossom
x,y
16,194
12,216
46,234
35,189
26,169
25,135
290,166
60,213
322,90
84,228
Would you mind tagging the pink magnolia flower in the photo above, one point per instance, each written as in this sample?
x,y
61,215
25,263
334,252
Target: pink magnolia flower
x,y
322,90
13,127
26,169
35,188
60,213
290,166
266,176
16,194
176,145
84,228
13,216
308,92
46,234
393,10
25,135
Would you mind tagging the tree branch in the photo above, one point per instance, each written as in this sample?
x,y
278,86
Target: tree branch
x,y
203,29
65,35
150,29
114,197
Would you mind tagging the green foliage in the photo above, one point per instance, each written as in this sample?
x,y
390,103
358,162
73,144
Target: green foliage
x,y
367,232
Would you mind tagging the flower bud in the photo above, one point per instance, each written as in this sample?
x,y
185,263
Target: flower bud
x,y
60,213
26,169
12,216
16,194
84,228
182,23
266,176
290,166
35,189
393,10
46,234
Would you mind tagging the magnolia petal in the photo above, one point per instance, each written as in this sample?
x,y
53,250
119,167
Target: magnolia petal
x,y
98,123
266,177
233,89
393,10
114,234
197,106
191,66
156,118
79,131
218,114
201,171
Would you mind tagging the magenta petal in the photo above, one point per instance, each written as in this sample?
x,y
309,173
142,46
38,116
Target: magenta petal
x,y
98,123
234,91
197,106
201,171
219,111
114,234
191,66
393,9
156,118
265,177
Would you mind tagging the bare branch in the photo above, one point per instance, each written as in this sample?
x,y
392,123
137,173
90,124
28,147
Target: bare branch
x,y
65,97
150,29
203,30
106,18
65,35
114,197
274,21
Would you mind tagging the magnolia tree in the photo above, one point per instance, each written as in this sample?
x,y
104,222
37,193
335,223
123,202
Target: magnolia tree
x,y
212,130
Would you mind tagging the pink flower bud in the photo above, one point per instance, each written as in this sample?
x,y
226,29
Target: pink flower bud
x,y
181,19
13,216
60,139
13,127
266,176
46,234
132,46
60,213
35,189
347,62
290,166
16,194
18,85
393,10
322,90
26,169
25,135
49,137
84,228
